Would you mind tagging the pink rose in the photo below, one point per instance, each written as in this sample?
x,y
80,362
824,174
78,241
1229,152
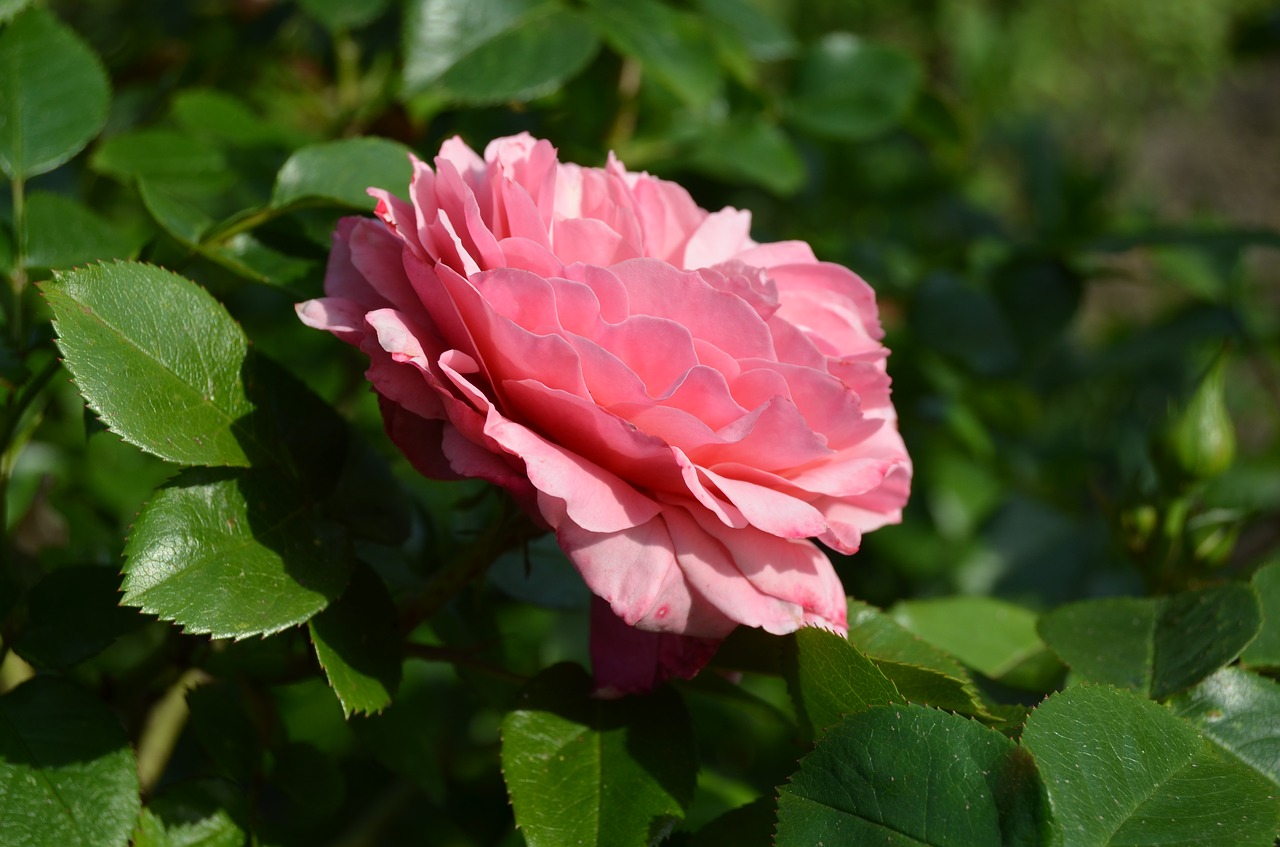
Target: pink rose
x,y
684,407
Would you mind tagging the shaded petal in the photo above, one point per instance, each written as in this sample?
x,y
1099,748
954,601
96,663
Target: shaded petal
x,y
626,660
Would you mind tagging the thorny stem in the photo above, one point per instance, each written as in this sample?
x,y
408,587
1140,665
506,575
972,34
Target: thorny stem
x,y
469,564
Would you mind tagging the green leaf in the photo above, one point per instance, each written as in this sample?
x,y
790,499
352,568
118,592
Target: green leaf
x,y
995,638
850,90
233,554
157,358
1158,645
339,172
225,119
409,737
10,8
222,721
1123,770
921,672
670,45
73,614
53,94
250,258
1240,712
492,51
746,826
62,232
912,775
67,775
338,15
194,814
172,161
358,644
829,678
182,219
765,39
625,767
754,150
1265,649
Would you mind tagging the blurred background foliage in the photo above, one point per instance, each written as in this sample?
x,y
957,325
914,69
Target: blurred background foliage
x,y
1069,212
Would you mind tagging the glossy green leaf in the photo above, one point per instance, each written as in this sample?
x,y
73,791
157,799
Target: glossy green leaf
x,y
73,613
53,94
1265,649
849,89
921,672
193,814
62,232
1123,770
233,554
550,46
912,775
669,44
338,15
67,774
173,161
1157,645
625,767
247,256
357,641
829,678
157,358
993,637
492,51
1240,712
340,172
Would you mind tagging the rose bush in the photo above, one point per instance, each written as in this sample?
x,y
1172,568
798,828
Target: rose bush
x,y
684,407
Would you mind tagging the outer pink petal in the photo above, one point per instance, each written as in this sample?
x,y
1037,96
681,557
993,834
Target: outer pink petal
x,y
626,660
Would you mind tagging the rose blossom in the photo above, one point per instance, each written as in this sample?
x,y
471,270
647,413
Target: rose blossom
x,y
684,407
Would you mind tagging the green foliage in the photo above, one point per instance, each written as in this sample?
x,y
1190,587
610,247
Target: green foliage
x,y
626,768
67,774
157,358
1085,361
933,777
1146,772
43,62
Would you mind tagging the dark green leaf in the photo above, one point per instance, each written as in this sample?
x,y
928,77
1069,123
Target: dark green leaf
x,y
179,217
233,554
849,89
883,638
1157,646
196,814
765,39
53,94
339,172
223,724
491,51
62,232
670,45
10,8
408,737
991,636
222,118
169,160
1240,712
912,775
625,767
746,826
157,358
829,678
754,150
67,775
250,258
358,644
1265,649
73,614
1123,770
338,15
